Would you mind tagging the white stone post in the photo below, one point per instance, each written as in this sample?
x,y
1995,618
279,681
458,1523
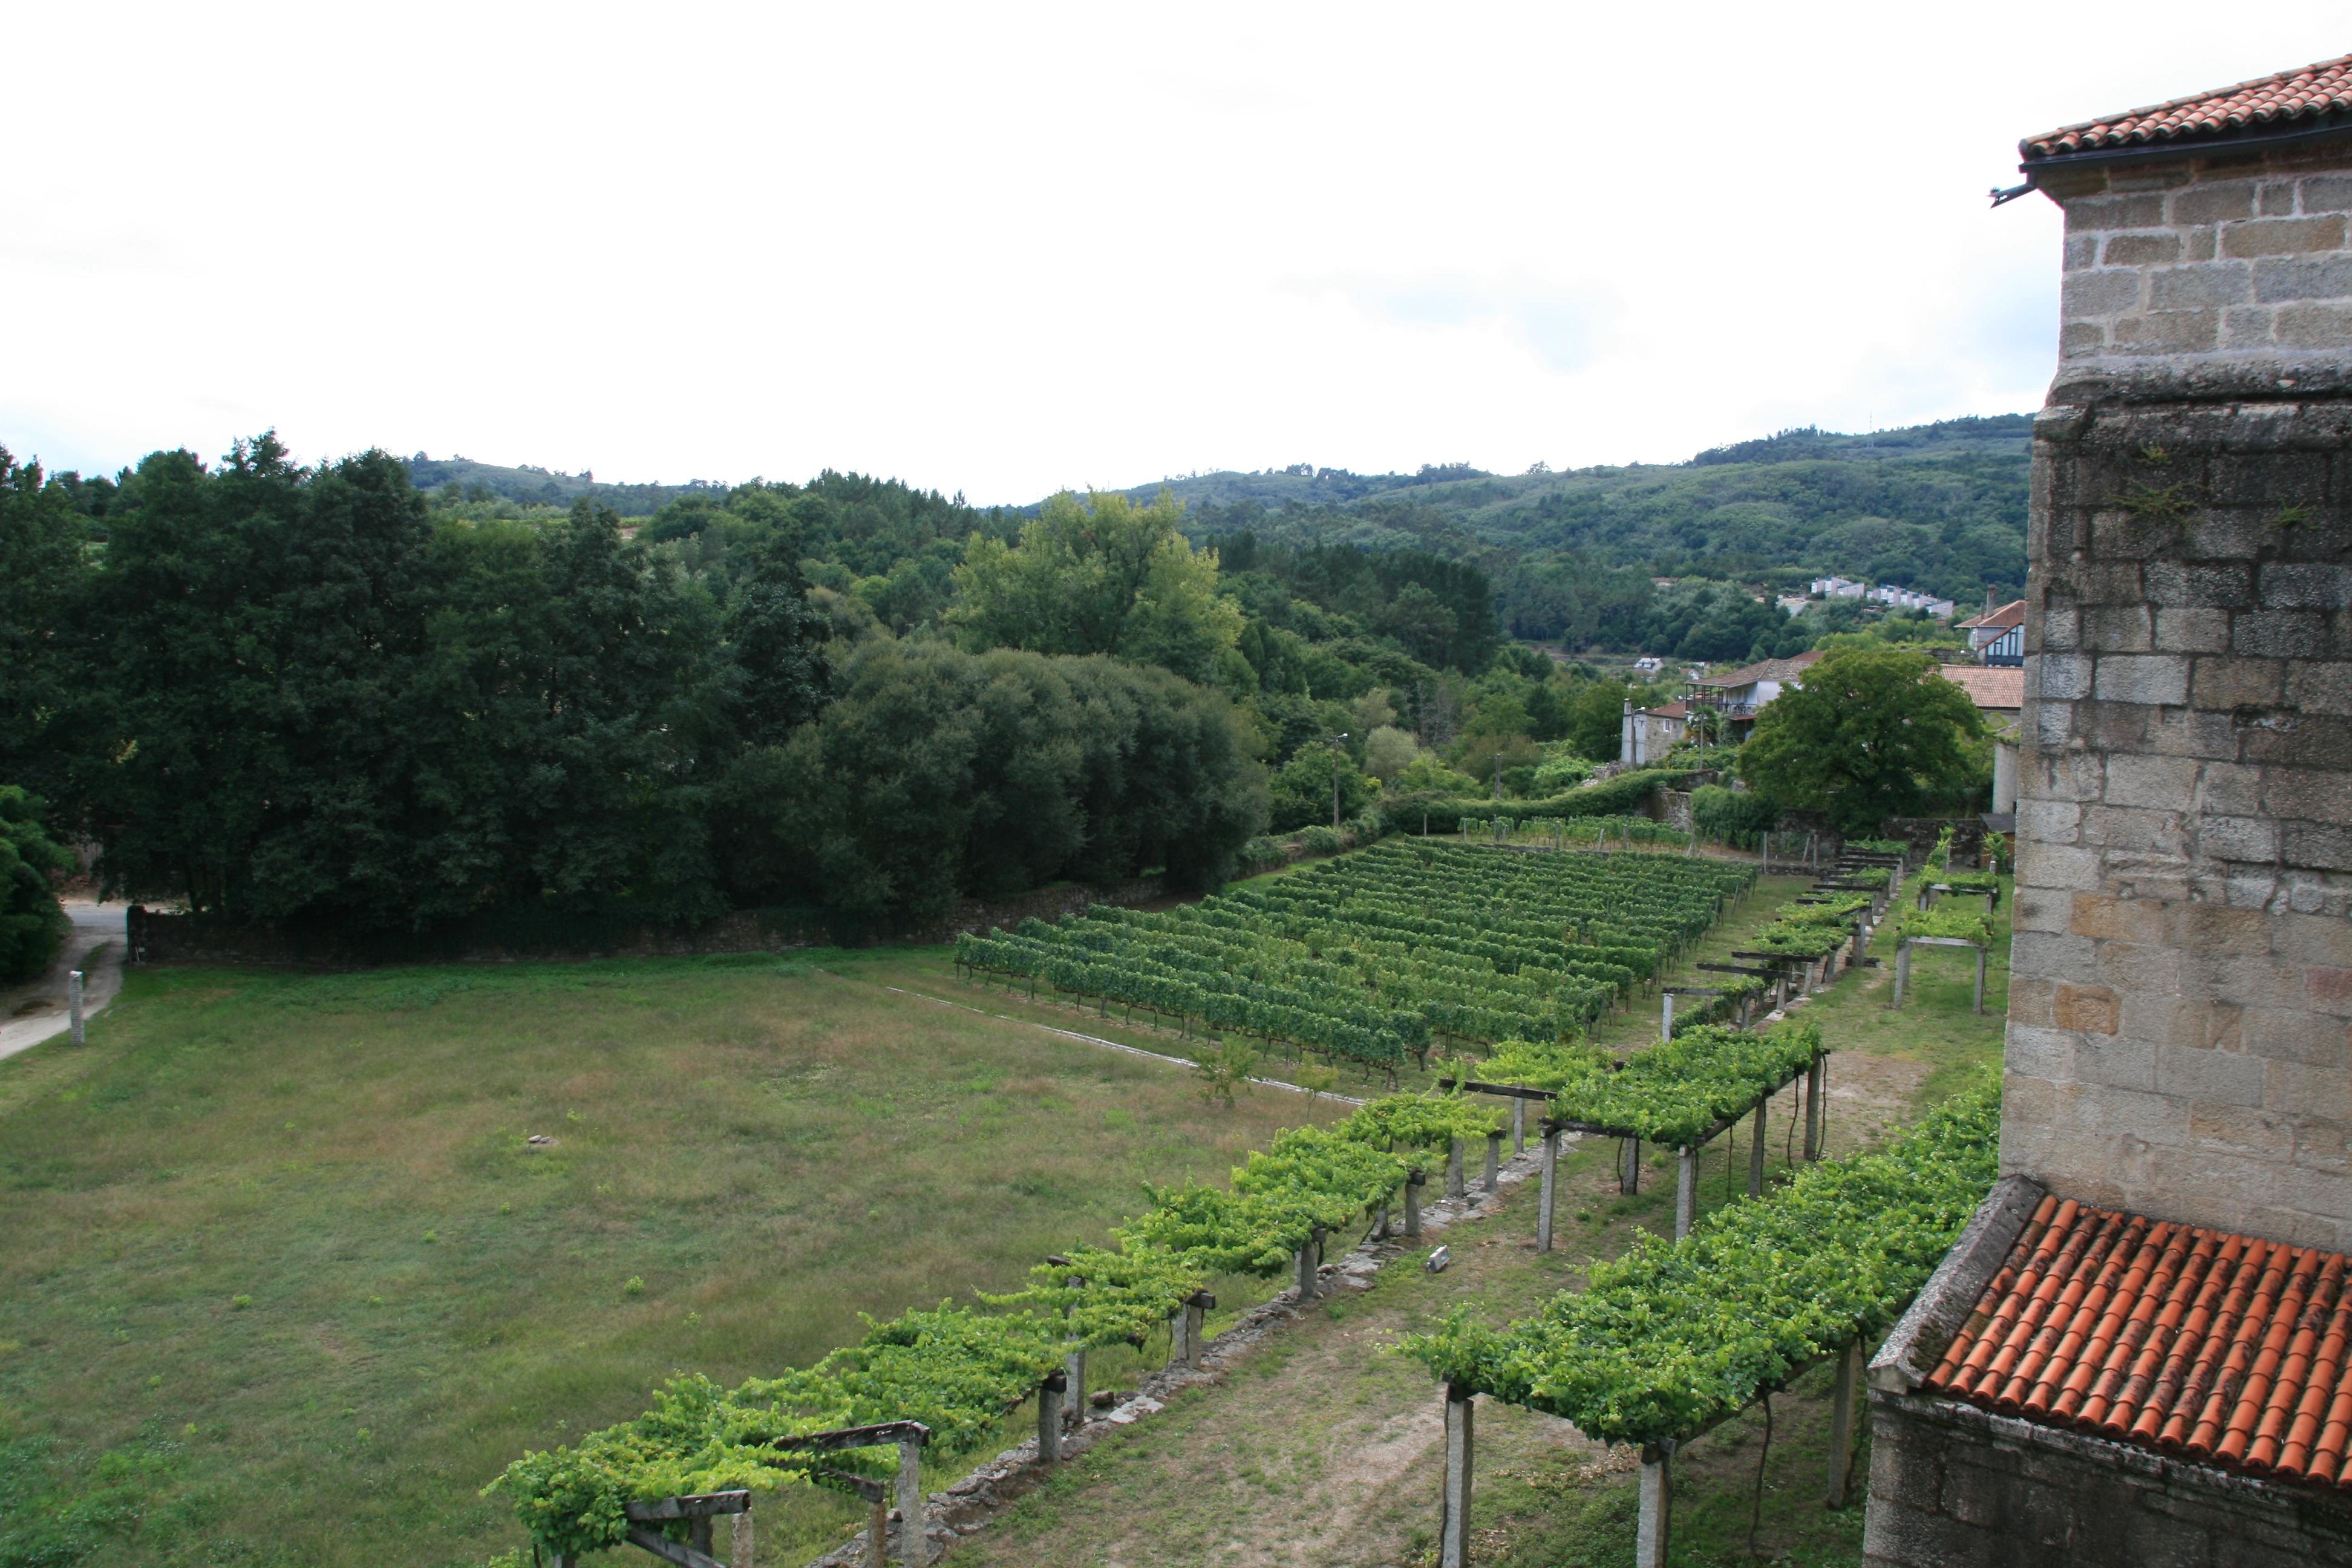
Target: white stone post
x,y
1176,1324
1550,1185
1453,1188
1686,1191
1413,1183
1813,1076
1667,1016
1756,1156
740,1553
914,1523
1073,1368
1629,1165
1849,1372
1518,1126
73,1004
1453,1528
1651,1528
1196,1321
1901,969
1494,1163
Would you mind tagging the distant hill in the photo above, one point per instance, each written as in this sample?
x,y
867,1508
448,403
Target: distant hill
x,y
1936,507
529,485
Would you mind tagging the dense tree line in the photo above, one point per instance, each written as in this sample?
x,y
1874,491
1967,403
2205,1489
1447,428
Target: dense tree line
x,y
278,692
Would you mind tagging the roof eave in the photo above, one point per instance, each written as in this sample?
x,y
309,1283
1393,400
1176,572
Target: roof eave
x,y
2182,147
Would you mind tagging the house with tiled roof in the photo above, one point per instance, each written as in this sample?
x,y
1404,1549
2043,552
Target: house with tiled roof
x,y
1649,734
1739,695
1997,636
2140,1349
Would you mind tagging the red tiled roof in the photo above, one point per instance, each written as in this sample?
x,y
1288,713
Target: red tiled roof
x,y
2305,97
1671,711
1770,669
2216,1347
2009,615
1989,685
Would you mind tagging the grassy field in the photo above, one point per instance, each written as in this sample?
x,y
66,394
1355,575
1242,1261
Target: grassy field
x,y
284,1283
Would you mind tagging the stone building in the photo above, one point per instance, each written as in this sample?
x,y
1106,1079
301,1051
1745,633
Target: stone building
x,y
2141,1352
1648,734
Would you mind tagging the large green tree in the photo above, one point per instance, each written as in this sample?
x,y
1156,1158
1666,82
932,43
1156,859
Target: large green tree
x,y
1872,733
1098,576
31,923
42,544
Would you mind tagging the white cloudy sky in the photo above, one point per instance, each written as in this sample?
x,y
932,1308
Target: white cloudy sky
x,y
1003,250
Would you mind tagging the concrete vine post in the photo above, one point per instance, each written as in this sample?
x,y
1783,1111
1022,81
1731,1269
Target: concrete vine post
x,y
1653,1525
1454,1187
1550,1186
1518,1126
1849,1373
1686,1191
74,993
739,1541
1413,1181
914,1523
1814,1075
1177,1322
1049,1418
1196,1318
1493,1162
1454,1526
1755,1154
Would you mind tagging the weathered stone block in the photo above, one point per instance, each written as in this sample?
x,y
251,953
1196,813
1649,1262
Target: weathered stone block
x,y
2321,793
2276,198
2280,634
2120,629
2099,293
2062,958
2283,236
2305,584
2087,1009
2152,679
2216,203
2312,324
2049,821
2193,631
2299,740
2065,677
2248,326
2229,789
2143,249
2137,829
2324,845
2205,585
2190,287
2110,212
2063,869
2280,279
2116,920
2204,930
2211,1078
2237,838
2330,193
2240,1129
2167,332
2170,783
2320,687
2289,1033
2226,683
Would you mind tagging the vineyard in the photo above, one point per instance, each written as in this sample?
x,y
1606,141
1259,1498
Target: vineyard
x,y
1383,956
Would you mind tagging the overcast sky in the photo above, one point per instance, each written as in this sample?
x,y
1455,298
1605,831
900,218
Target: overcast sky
x,y
1005,249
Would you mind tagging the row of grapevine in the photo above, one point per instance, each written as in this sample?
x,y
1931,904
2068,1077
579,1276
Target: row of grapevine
x,y
1671,1338
1378,957
958,1369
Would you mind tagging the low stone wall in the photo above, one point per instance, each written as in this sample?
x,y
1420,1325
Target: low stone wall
x,y
1921,833
1952,1485
160,937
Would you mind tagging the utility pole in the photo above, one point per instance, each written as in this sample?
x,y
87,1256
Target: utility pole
x,y
1336,754
1498,775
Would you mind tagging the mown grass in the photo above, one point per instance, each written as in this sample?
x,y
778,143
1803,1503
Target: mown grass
x,y
285,1283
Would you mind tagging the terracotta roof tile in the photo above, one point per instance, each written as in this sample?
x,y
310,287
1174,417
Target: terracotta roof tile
x,y
1769,670
2009,615
1995,687
2308,97
2221,1348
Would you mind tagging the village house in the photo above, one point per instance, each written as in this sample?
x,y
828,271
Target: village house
x,y
2140,1351
1649,734
1739,695
1997,636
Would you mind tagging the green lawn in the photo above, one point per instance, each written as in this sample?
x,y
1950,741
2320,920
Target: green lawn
x,y
283,1282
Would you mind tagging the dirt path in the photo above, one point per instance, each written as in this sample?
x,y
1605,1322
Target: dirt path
x,y
34,1013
